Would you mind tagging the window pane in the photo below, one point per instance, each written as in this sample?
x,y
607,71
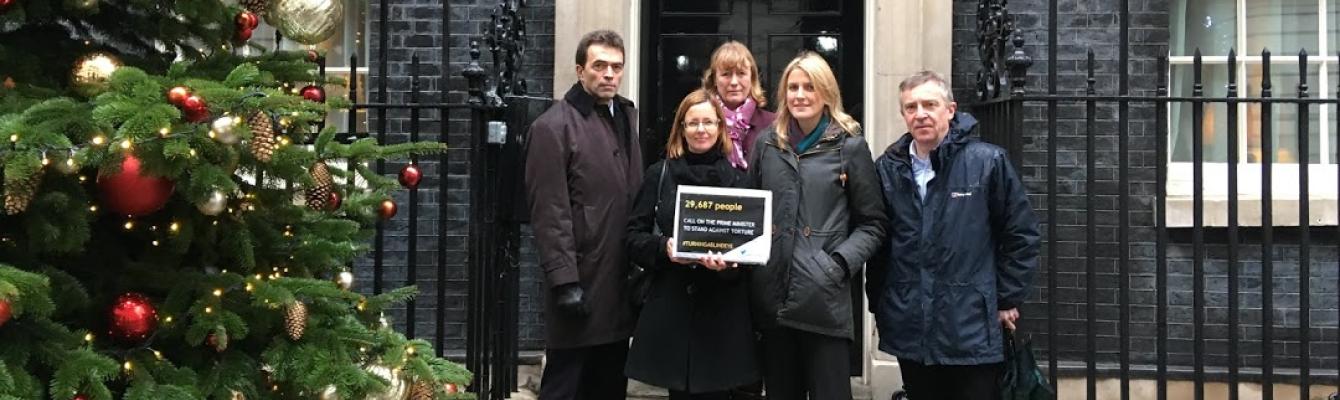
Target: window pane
x,y
1210,25
1332,27
696,6
1286,25
1284,117
1215,143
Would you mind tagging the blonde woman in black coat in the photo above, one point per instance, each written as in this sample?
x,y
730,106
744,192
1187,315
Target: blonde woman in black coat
x,y
694,335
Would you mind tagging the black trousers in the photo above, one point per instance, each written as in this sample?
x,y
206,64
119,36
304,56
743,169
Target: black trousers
x,y
951,382
678,395
585,373
797,364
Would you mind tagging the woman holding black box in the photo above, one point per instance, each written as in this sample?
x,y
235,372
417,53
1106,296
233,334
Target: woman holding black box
x,y
694,335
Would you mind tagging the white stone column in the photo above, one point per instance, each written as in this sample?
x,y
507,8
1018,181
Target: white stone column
x,y
574,18
902,37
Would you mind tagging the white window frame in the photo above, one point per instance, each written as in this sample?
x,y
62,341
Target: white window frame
x,y
1322,178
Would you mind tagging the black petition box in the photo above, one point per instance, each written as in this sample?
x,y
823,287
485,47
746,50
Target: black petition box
x,y
736,223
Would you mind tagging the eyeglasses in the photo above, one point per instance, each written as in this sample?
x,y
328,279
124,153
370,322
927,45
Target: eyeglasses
x,y
702,125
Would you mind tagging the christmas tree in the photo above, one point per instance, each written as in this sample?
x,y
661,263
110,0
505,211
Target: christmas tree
x,y
176,221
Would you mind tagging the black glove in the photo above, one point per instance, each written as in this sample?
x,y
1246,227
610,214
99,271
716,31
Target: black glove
x,y
571,299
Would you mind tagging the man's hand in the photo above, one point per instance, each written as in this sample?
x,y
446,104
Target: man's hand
x,y
571,299
1007,317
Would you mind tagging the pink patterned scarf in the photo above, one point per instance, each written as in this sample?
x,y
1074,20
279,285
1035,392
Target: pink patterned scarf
x,y
737,123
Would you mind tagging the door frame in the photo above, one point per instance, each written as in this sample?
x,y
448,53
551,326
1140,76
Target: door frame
x,y
885,22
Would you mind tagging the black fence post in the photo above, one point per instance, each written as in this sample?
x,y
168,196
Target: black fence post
x,y
1018,63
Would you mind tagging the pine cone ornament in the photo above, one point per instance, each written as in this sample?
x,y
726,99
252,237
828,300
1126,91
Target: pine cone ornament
x,y
295,319
421,390
255,6
19,193
318,196
263,140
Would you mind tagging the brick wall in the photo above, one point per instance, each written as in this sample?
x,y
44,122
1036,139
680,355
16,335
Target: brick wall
x,y
415,27
1085,25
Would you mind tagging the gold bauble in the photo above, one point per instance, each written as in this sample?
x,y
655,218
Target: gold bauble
x,y
93,72
305,21
396,389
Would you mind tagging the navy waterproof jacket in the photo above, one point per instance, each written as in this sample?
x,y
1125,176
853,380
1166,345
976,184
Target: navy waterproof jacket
x,y
956,258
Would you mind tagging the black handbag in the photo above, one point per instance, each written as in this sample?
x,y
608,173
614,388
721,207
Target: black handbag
x,y
639,277
1022,379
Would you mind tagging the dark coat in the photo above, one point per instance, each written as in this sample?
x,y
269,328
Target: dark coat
x,y
694,332
969,250
816,217
759,123
581,176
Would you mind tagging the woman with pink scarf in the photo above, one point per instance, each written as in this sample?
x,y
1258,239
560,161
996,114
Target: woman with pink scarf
x,y
732,79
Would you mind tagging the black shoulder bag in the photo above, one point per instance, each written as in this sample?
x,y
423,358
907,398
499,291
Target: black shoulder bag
x,y
639,277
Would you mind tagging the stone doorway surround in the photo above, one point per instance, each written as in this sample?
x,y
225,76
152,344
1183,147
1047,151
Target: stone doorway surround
x,y
913,35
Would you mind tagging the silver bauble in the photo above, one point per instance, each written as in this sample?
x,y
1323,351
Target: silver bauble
x,y
396,388
330,393
214,204
345,279
224,131
305,21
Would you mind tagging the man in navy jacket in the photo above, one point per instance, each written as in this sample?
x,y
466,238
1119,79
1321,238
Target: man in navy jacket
x,y
962,249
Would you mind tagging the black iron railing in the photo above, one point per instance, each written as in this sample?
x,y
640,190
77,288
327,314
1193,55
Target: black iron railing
x,y
1104,209
491,351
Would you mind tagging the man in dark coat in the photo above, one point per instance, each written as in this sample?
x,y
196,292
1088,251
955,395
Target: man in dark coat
x,y
961,254
583,168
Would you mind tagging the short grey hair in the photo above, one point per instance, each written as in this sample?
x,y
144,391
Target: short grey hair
x,y
925,77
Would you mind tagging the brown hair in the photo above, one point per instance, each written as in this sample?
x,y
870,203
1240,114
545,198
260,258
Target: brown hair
x,y
674,147
734,55
603,37
825,85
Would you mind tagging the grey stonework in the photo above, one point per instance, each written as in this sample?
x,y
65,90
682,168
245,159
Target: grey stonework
x,y
415,27
1095,25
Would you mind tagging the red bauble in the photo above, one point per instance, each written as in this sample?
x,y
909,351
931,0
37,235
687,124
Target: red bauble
x,y
451,388
213,341
242,34
5,5
246,20
80,396
195,109
410,176
131,193
313,93
334,201
177,95
387,209
5,312
312,55
133,318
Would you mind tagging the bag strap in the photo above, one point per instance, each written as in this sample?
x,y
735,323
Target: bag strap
x,y
660,183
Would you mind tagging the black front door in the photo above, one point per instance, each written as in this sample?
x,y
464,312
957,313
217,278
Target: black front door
x,y
680,35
